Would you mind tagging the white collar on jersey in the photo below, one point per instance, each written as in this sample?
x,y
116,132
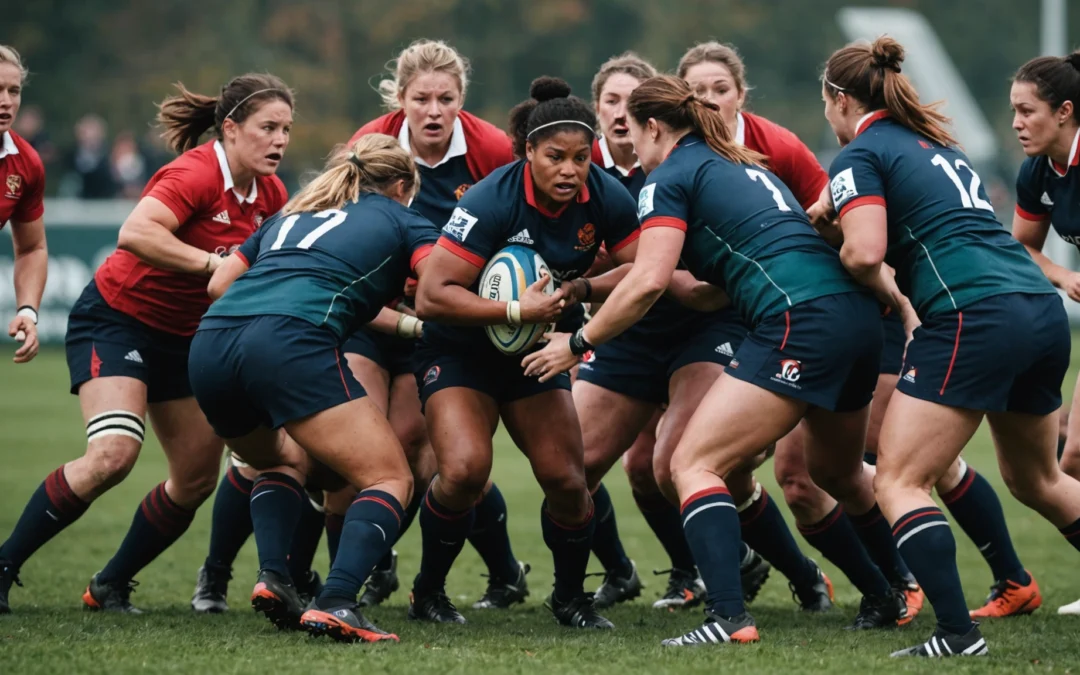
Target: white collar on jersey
x,y
226,173
9,147
609,161
457,148
740,129
1072,156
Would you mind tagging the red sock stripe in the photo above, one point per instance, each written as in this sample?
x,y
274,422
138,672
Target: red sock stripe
x,y
751,514
154,512
60,493
377,500
956,348
703,493
337,357
823,524
961,489
431,507
171,506
232,473
571,528
281,483
787,329
912,518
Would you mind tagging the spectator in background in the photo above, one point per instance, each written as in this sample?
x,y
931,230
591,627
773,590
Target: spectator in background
x,y
128,166
88,164
31,126
153,150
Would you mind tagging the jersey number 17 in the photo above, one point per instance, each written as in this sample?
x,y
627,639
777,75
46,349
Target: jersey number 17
x,y
336,218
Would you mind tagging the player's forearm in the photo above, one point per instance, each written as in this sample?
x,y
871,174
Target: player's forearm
x,y
157,246
698,295
1054,272
393,322
626,305
456,305
602,285
31,270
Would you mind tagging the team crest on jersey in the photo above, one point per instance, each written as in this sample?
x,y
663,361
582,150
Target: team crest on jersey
x,y
14,183
431,375
460,223
790,372
843,187
586,237
645,200
460,191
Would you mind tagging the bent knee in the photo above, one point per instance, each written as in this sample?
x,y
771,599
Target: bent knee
x,y
111,458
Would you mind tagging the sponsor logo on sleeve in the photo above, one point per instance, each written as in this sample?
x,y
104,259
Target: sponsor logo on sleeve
x,y
645,201
460,223
843,187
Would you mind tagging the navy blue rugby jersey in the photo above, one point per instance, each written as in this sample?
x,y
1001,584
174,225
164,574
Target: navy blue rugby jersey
x,y
1047,191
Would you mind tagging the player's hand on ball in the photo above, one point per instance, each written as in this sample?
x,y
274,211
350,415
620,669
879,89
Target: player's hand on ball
x,y
24,330
1072,286
538,307
553,359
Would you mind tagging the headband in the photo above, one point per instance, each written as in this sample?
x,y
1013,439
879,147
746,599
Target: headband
x,y
244,100
834,86
551,124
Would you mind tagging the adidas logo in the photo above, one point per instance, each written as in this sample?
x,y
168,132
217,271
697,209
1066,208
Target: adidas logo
x,y
725,349
134,355
909,376
521,238
1046,201
222,217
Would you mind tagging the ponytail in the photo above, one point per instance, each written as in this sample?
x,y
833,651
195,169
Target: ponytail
x,y
870,74
373,164
670,100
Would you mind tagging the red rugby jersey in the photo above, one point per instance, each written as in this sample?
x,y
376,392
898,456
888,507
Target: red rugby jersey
x,y
22,180
198,188
789,158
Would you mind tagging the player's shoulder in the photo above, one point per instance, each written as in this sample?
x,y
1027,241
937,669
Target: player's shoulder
x,y
29,155
498,188
605,189
196,172
763,134
1033,170
276,192
389,124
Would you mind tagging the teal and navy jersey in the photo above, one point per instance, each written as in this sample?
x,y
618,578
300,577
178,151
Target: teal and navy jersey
x,y
1047,191
501,210
745,231
334,268
946,244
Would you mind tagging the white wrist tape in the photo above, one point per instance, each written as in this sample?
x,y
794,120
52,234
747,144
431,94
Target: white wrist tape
x,y
513,313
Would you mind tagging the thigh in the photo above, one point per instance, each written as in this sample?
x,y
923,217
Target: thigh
x,y
687,389
610,422
265,448
373,378
190,444
460,425
1026,447
834,441
886,385
1070,461
545,427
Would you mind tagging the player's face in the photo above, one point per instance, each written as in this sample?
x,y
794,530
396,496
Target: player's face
x,y
260,141
611,109
560,164
645,137
1035,124
713,82
10,95
835,113
431,102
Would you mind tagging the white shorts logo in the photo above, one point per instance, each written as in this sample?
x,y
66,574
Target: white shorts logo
x,y
461,221
790,370
843,187
645,200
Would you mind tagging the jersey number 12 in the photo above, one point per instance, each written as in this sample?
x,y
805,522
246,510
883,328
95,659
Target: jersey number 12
x,y
969,196
336,218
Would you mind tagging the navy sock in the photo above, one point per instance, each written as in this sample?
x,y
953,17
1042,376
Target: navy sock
x,y
1071,533
387,561
490,538
712,529
277,501
158,522
975,507
570,548
230,525
764,530
873,531
333,524
371,528
51,508
926,540
835,537
666,523
444,532
606,543
305,541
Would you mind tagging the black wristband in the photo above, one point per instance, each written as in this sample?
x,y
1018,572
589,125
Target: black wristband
x,y
578,344
588,290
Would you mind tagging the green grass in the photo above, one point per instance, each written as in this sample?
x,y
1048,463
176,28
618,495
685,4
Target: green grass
x,y
40,429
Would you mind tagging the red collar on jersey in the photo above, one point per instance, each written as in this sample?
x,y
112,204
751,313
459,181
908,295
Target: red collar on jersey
x,y
530,195
865,123
1074,158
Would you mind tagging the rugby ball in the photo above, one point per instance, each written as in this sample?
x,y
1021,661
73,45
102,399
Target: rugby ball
x,y
505,278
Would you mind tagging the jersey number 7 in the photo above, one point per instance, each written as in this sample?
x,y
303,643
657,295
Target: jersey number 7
x,y
336,218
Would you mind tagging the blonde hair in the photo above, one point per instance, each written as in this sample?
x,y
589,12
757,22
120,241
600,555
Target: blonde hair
x,y
422,56
627,63
9,55
715,52
373,164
